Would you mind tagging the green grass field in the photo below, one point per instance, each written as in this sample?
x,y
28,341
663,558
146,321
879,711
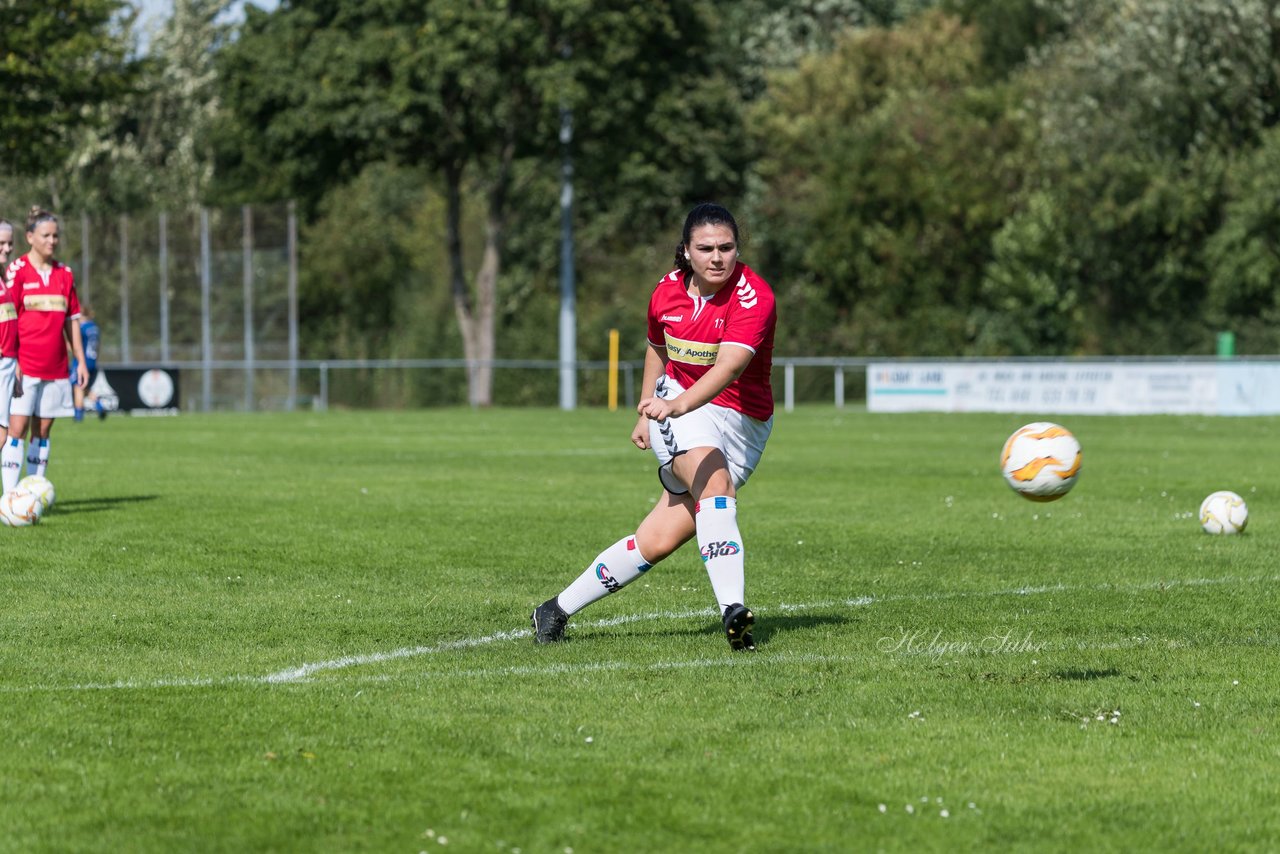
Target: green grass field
x,y
310,633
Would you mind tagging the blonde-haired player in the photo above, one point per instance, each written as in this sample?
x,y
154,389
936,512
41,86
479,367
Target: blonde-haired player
x,y
43,291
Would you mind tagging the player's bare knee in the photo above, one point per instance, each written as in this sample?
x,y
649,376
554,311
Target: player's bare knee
x,y
706,471
656,547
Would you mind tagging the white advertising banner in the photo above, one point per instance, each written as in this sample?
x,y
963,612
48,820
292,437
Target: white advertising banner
x,y
1076,388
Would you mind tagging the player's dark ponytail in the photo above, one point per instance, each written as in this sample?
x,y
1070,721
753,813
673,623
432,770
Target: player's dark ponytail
x,y
682,259
706,213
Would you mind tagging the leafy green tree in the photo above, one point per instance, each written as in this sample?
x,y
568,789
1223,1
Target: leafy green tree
x,y
887,171
1135,116
779,34
1169,77
59,59
150,147
1027,306
1011,31
1243,255
471,93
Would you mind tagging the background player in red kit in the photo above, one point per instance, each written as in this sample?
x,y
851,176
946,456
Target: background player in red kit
x,y
8,328
44,293
706,413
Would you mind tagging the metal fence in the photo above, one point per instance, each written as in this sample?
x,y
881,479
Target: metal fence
x,y
194,287
213,293
288,384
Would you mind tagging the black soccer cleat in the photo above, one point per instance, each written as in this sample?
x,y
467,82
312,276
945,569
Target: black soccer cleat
x,y
549,620
738,621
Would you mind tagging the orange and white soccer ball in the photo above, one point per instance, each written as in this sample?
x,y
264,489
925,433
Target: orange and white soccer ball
x,y
1041,461
20,507
1224,512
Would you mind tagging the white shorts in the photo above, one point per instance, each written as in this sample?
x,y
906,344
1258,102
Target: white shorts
x,y
739,437
8,369
44,399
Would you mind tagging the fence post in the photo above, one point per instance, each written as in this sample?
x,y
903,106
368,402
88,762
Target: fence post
x,y
839,386
292,402
124,289
629,383
322,402
206,331
86,255
789,395
246,215
164,287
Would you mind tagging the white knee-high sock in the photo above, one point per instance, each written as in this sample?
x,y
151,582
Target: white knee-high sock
x,y
33,456
615,568
44,459
11,463
720,543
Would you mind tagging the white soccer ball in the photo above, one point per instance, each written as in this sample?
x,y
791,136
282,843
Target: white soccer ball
x,y
1224,512
41,487
20,507
1041,461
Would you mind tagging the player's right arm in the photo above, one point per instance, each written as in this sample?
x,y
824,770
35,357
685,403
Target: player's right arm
x,y
655,365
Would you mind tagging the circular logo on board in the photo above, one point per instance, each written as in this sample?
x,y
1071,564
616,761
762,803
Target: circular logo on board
x,y
155,388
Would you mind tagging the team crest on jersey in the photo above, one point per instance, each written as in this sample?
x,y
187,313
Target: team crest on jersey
x,y
746,294
8,311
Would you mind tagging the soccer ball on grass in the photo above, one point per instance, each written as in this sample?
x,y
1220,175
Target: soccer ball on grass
x,y
1224,512
20,507
1041,461
41,487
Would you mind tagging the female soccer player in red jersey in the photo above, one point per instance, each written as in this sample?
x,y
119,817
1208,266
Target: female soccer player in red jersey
x,y
8,328
706,413
44,293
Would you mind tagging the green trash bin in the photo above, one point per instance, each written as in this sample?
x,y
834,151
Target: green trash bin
x,y
1226,344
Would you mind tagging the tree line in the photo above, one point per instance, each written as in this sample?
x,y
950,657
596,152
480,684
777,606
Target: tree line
x,y
959,177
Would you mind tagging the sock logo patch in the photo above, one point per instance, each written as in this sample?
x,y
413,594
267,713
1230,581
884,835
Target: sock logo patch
x,y
723,548
610,583
721,502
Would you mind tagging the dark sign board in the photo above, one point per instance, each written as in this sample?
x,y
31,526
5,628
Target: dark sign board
x,y
138,391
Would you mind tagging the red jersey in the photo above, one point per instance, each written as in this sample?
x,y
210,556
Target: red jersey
x,y
43,307
8,322
741,314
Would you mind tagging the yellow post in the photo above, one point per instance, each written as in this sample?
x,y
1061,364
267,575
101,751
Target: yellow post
x,y
613,370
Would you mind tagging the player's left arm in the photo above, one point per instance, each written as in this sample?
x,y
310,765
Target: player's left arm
x,y
71,329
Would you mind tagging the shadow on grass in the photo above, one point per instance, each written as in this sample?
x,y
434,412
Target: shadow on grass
x,y
765,628
97,505
1084,675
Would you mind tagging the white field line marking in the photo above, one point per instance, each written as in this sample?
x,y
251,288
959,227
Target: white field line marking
x,y
303,672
